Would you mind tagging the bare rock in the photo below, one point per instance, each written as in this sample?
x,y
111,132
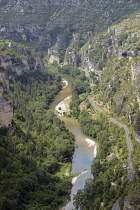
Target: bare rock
x,y
135,69
6,112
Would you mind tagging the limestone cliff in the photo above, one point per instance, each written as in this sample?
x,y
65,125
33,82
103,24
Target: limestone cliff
x,y
38,23
19,60
15,60
6,111
135,69
112,61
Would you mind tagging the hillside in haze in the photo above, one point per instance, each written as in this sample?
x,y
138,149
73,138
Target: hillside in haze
x,y
41,23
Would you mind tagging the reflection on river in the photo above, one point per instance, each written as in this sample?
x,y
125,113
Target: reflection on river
x,y
84,151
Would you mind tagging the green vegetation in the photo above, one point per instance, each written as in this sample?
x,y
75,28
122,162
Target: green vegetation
x,y
14,49
63,170
133,190
80,85
35,146
116,89
117,56
110,174
36,152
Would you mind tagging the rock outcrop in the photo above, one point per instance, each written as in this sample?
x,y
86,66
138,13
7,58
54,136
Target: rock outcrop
x,y
15,61
6,111
135,69
114,81
20,60
40,22
53,59
72,58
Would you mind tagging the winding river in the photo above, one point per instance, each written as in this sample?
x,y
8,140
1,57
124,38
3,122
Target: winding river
x,y
84,152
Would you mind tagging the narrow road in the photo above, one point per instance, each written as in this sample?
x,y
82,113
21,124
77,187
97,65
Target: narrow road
x,y
130,169
116,206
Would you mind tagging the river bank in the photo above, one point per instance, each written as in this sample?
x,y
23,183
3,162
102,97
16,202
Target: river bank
x,y
63,107
65,83
85,146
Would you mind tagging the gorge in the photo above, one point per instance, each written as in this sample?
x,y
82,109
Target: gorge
x,y
85,147
95,46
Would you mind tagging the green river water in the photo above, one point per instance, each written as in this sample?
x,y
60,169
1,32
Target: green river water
x,y
83,154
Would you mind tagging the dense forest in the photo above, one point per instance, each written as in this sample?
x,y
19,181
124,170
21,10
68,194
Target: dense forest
x,y
109,170
34,147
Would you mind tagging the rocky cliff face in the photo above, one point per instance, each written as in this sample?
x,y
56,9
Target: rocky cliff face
x,y
135,76
19,60
15,60
112,61
135,69
6,111
40,22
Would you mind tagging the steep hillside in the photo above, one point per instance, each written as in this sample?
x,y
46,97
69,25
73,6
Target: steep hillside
x,y
112,61
15,60
40,22
34,143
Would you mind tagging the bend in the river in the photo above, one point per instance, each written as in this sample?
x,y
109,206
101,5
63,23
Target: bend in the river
x,y
84,155
85,149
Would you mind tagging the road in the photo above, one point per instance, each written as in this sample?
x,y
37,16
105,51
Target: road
x,y
130,169
116,206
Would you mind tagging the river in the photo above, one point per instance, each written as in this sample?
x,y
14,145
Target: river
x,y
84,152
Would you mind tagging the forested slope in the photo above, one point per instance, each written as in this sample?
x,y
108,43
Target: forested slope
x,y
36,141
112,62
